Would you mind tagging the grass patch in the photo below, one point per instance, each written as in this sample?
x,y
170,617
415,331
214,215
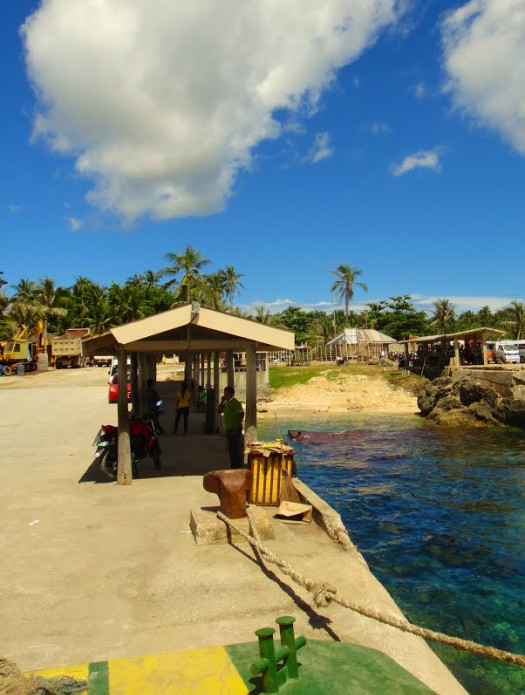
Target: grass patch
x,y
282,376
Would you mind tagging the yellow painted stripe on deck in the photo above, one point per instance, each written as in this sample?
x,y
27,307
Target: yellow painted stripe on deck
x,y
80,672
193,672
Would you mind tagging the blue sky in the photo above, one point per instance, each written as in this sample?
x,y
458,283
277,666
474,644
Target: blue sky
x,y
281,138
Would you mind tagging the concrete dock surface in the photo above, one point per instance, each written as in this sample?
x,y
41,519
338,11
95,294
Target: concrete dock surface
x,y
95,571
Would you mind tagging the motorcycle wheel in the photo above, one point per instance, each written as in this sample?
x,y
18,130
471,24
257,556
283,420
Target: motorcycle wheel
x,y
134,465
109,464
156,460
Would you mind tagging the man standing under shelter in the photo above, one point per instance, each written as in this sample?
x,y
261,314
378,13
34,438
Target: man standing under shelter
x,y
232,416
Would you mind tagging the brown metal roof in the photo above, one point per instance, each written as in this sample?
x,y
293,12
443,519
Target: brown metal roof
x,y
483,333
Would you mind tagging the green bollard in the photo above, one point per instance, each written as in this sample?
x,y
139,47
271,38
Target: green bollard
x,y
266,665
288,640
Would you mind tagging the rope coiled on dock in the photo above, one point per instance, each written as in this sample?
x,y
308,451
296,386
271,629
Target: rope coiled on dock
x,y
323,594
13,682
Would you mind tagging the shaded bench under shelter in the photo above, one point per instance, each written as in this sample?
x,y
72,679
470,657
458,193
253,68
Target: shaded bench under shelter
x,y
199,336
443,350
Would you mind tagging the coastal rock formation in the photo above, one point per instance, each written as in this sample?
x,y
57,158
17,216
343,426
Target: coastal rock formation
x,y
474,399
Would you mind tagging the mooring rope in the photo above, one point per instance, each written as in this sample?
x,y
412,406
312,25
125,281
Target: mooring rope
x,y
323,593
13,682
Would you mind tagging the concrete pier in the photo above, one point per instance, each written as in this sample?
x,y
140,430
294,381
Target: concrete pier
x,y
94,571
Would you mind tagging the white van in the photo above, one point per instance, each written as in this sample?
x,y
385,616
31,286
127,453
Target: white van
x,y
504,352
520,344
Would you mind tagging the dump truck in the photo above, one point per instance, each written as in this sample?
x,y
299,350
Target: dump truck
x,y
102,360
66,350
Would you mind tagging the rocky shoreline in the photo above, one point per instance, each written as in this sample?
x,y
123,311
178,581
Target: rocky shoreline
x,y
475,398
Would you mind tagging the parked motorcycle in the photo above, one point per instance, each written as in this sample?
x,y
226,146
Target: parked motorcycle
x,y
143,442
152,418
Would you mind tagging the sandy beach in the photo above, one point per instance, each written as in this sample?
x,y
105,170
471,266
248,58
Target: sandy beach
x,y
345,393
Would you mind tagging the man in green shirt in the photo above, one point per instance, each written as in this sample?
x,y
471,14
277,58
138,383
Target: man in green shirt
x,y
232,416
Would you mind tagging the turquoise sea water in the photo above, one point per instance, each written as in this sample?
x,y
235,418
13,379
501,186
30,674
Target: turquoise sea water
x,y
439,515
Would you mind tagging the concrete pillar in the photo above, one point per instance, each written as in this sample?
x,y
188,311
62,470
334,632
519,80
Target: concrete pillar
x,y
216,389
188,367
230,369
208,369
136,390
456,352
124,474
202,375
250,421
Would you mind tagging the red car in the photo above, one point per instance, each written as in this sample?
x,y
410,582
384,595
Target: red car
x,y
113,389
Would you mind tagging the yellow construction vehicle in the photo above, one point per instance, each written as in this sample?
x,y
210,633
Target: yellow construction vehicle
x,y
21,350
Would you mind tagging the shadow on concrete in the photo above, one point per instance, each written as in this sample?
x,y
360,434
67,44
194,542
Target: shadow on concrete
x,y
194,453
315,619
93,474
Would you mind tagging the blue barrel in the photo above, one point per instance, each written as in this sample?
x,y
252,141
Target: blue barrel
x,y
20,369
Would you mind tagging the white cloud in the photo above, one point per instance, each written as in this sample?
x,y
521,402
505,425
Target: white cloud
x,y
14,208
484,55
380,128
162,102
74,223
464,303
424,159
420,90
321,148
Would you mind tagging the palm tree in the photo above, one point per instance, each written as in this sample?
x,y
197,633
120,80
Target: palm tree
x,y
444,313
321,330
100,315
262,315
516,314
343,287
78,302
127,302
189,264
20,313
47,299
151,277
232,282
213,290
236,311
24,291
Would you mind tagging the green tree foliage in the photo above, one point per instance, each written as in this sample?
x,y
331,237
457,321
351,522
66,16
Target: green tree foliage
x,y
516,319
232,282
484,317
321,329
397,317
467,320
188,266
213,291
262,315
443,317
343,287
100,316
295,319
